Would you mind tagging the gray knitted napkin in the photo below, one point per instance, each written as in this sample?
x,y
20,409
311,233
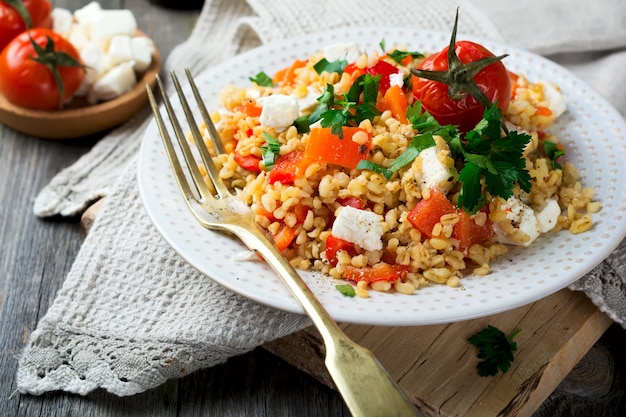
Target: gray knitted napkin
x,y
132,313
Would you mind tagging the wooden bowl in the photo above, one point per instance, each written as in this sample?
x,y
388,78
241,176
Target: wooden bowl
x,y
79,118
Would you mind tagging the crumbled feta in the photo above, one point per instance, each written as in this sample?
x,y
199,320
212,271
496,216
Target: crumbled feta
x,y
554,98
361,227
431,173
523,218
279,111
309,100
396,79
547,217
342,51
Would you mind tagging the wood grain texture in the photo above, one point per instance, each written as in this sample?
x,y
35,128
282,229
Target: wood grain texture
x,y
35,256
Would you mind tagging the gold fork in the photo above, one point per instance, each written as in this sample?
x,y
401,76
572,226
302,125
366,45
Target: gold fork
x,y
364,384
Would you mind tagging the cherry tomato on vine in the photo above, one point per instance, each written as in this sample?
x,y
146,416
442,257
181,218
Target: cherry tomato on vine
x,y
464,110
13,22
27,73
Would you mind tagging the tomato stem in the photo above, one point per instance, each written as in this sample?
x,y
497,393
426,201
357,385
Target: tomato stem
x,y
52,60
18,5
459,77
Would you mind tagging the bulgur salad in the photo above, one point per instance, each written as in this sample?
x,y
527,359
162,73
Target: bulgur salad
x,y
357,173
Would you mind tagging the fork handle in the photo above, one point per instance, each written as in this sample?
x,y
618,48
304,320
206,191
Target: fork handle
x,y
364,384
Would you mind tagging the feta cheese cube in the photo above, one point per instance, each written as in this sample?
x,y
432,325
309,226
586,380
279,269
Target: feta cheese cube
x,y
523,218
548,216
142,50
431,173
396,79
94,59
279,111
109,23
120,50
62,21
79,36
342,51
309,100
115,82
88,13
361,227
554,98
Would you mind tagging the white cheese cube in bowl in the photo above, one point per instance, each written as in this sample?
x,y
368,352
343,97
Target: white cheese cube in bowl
x,y
87,13
109,23
115,82
142,48
120,50
94,59
62,21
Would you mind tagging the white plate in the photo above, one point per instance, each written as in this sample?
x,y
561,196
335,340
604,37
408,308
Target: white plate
x,y
594,135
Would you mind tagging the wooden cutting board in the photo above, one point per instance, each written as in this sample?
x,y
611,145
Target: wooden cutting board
x,y
436,366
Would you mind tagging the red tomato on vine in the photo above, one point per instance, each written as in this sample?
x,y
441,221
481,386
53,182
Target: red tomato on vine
x,y
18,15
456,84
40,69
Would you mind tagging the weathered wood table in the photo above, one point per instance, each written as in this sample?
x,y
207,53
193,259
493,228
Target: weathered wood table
x,y
583,372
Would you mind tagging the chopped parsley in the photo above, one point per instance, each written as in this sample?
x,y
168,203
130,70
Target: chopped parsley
x,y
325,65
358,104
346,290
489,156
427,127
270,150
262,79
399,56
495,349
553,152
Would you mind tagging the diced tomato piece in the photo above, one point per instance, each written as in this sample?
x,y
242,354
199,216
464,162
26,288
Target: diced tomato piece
x,y
334,245
468,233
260,210
385,69
301,211
379,272
428,212
284,237
251,110
324,146
382,68
287,76
287,168
395,101
513,77
543,111
356,202
249,162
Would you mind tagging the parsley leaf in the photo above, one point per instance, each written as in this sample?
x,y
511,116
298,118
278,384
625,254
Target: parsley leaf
x,y
330,66
262,79
495,348
427,127
346,290
397,55
553,152
270,150
358,104
499,160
